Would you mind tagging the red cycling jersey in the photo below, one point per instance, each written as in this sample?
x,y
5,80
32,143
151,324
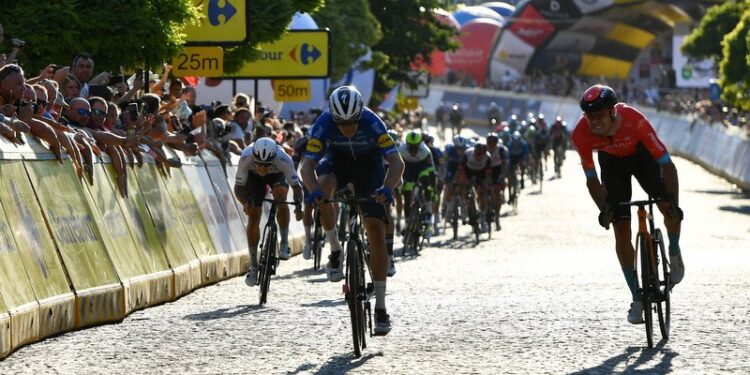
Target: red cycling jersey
x,y
634,129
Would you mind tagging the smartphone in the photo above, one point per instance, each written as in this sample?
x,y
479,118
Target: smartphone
x,y
133,111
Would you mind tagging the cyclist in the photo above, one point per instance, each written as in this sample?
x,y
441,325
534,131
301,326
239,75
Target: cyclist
x,y
454,153
439,159
390,227
440,113
348,143
264,163
627,146
519,154
419,167
558,135
493,115
500,158
476,164
542,138
456,118
307,220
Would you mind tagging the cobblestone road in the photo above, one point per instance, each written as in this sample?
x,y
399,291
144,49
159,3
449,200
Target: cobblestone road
x,y
545,296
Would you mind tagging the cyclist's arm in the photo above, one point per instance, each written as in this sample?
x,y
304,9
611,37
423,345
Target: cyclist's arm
x,y
309,177
240,181
395,170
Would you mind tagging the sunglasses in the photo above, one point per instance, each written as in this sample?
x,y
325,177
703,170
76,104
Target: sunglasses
x,y
264,164
99,112
83,112
347,124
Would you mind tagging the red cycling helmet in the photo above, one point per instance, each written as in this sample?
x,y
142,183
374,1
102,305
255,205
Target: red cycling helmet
x,y
598,97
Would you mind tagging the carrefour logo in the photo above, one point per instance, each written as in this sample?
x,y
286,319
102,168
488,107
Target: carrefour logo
x,y
214,11
304,53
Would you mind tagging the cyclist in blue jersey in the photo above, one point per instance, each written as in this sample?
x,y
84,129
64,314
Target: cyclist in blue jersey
x,y
454,153
439,159
348,144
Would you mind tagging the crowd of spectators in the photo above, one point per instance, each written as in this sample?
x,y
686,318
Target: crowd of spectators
x,y
687,101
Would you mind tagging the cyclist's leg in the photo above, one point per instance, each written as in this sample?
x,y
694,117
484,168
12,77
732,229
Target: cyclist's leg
x,y
280,191
616,178
649,176
256,190
329,180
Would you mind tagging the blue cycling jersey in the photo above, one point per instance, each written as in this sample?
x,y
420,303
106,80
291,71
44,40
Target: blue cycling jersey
x,y
370,140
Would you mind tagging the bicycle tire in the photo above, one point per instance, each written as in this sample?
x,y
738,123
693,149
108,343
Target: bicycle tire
x,y
317,245
646,288
473,218
663,307
354,290
454,217
266,259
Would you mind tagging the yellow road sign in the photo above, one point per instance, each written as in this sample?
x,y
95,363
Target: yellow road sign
x,y
291,90
199,62
298,54
222,23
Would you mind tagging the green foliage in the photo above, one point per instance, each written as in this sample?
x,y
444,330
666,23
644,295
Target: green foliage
x,y
123,33
409,31
268,21
354,29
705,40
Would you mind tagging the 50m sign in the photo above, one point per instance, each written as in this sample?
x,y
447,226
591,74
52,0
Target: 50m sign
x,y
199,62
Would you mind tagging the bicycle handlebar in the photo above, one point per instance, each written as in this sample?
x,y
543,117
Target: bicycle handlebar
x,y
273,201
648,201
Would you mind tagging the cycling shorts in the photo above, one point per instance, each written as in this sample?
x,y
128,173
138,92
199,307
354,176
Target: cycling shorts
x,y
497,176
617,173
256,185
476,177
367,175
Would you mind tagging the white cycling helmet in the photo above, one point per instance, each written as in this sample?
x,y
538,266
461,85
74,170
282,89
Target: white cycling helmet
x,y
460,142
264,150
345,104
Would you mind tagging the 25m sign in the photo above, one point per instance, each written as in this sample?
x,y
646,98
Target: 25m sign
x,y
199,62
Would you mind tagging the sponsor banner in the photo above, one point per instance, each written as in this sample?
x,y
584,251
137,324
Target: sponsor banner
x,y
209,206
592,6
597,65
512,51
531,27
5,347
630,35
72,224
592,26
560,12
229,205
691,73
221,23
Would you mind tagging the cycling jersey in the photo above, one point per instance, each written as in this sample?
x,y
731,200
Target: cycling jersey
x,y
282,163
422,154
498,156
370,140
476,162
299,150
634,129
416,166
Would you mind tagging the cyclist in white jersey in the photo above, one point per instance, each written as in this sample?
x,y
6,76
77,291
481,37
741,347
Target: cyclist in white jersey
x,y
264,163
477,168
419,166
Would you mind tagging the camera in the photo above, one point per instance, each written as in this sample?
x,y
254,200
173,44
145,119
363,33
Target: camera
x,y
18,43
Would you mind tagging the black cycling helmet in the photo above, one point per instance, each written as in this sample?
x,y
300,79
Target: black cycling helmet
x,y
598,97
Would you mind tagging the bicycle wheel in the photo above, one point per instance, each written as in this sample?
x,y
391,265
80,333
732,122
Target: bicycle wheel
x,y
454,217
646,277
354,291
267,259
317,244
540,170
663,305
473,218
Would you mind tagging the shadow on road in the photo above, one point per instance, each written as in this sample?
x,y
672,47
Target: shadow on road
x,y
342,364
737,194
325,303
299,273
739,210
227,313
632,364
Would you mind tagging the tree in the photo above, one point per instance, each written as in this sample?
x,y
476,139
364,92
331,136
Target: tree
x,y
733,68
123,33
705,40
410,31
354,30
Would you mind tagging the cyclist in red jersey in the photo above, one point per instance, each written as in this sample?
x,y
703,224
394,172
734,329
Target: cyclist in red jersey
x,y
627,147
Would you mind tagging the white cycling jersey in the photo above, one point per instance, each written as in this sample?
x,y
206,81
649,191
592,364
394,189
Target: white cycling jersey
x,y
476,163
423,153
496,156
281,163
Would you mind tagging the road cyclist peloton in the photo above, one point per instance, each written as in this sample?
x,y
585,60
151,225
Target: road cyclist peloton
x,y
348,144
419,167
627,147
264,163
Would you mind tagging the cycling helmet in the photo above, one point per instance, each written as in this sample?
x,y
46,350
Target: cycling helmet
x,y
460,142
516,135
413,138
345,104
598,97
427,137
480,147
264,150
540,116
492,138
